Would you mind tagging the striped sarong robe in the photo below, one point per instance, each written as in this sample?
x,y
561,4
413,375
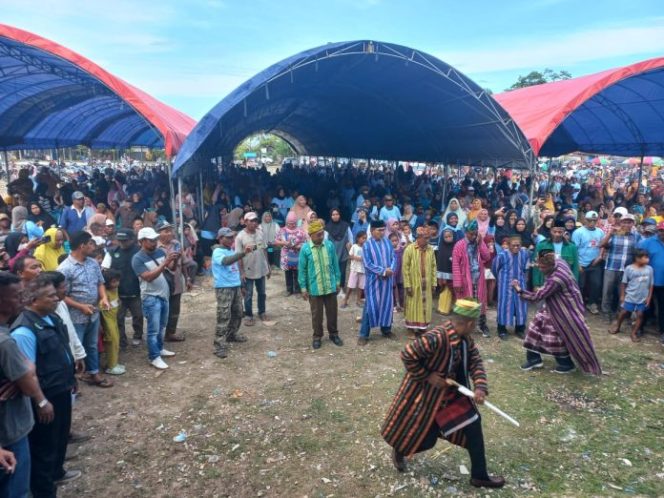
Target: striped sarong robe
x,y
377,256
511,310
461,276
417,402
562,297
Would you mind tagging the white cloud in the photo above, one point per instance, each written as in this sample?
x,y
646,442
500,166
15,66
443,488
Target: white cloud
x,y
560,51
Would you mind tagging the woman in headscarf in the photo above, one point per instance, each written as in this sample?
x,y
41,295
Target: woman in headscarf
x,y
270,229
500,229
455,207
483,222
301,211
37,214
444,258
475,208
49,252
339,233
290,238
570,226
521,231
19,218
510,218
452,223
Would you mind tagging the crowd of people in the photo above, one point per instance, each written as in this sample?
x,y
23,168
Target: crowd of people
x,y
79,253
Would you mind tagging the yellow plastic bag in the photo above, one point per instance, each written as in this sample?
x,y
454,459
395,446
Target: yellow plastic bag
x,y
445,300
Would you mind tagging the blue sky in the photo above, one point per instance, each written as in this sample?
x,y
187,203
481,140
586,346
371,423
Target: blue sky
x,y
191,53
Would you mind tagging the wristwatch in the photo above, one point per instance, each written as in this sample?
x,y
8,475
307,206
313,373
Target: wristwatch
x,y
42,403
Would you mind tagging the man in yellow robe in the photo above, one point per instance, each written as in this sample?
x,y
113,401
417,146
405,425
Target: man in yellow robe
x,y
419,281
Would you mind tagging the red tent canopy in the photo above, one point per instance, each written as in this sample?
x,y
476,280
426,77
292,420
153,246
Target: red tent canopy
x,y
36,70
618,111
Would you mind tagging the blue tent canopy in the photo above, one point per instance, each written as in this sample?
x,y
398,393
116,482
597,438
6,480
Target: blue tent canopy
x,y
362,99
51,97
618,111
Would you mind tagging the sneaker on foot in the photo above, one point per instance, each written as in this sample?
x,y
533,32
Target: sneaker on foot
x,y
221,353
594,309
564,370
70,475
316,344
136,342
159,363
166,353
116,370
530,365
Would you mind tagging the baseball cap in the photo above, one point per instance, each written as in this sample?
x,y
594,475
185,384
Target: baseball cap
x,y
660,225
592,215
163,225
4,216
250,216
651,228
109,222
147,233
649,221
621,211
628,217
124,234
77,195
225,232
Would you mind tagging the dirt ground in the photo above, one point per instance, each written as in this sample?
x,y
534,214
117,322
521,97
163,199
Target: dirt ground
x,y
306,423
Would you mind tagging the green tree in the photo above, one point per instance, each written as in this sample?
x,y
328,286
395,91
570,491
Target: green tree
x,y
277,147
538,78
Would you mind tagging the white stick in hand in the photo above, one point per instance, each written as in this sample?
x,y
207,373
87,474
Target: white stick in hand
x,y
467,392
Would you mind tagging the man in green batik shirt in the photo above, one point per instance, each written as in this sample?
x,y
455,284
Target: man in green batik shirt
x,y
320,280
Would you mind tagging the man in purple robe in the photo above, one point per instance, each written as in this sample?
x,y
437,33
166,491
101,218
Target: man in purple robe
x,y
559,328
379,266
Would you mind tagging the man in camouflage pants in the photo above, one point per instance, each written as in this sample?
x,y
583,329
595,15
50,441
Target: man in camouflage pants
x,y
229,291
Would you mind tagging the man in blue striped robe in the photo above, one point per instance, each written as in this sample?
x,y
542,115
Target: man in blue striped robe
x,y
508,266
379,265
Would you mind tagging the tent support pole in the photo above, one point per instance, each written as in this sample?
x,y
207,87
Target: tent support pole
x,y
7,169
200,197
181,222
170,188
638,188
531,209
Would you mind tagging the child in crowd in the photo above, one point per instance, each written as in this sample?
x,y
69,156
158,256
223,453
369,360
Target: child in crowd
x,y
109,323
395,239
635,292
206,270
356,277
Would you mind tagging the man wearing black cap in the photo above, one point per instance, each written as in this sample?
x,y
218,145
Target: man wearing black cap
x,y
563,249
119,258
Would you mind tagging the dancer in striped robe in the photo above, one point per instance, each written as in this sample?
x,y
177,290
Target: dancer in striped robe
x,y
508,266
559,328
426,408
379,265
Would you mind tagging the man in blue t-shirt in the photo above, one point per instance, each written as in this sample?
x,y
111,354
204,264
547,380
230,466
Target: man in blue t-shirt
x,y
587,240
229,291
